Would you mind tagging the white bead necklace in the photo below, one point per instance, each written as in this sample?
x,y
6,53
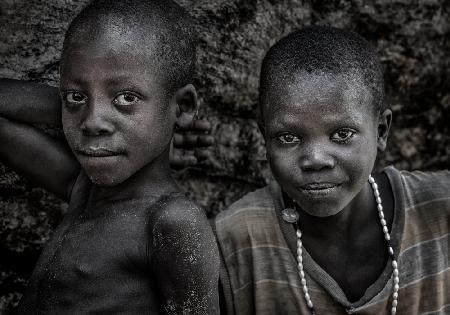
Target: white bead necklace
x,y
290,216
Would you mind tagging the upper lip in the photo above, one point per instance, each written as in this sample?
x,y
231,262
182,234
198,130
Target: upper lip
x,y
98,151
318,185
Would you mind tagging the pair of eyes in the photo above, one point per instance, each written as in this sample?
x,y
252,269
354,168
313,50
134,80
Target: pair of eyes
x,y
340,136
126,98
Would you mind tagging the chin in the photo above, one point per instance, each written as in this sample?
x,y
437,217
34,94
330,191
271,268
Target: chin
x,y
102,182
321,208
321,213
105,180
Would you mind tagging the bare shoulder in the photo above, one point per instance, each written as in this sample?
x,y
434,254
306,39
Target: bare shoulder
x,y
181,224
179,212
185,258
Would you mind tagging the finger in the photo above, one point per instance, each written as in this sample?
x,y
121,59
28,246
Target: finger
x,y
201,125
203,155
180,159
192,141
198,125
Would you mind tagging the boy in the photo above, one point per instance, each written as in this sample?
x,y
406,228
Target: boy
x,y
325,237
130,242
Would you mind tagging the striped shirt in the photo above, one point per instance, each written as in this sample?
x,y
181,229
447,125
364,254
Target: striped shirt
x,y
260,276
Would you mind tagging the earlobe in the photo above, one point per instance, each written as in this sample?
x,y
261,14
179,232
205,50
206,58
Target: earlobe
x,y
186,105
384,124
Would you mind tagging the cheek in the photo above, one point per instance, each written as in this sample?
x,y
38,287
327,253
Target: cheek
x,y
282,164
154,132
149,137
359,162
70,131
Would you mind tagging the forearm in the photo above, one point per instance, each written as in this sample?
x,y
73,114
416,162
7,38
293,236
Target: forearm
x,y
29,102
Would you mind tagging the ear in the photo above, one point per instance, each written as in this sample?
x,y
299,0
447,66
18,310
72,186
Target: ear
x,y
261,128
384,124
187,106
260,120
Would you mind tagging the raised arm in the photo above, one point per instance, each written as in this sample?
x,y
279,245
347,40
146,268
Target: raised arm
x,y
29,102
186,262
46,161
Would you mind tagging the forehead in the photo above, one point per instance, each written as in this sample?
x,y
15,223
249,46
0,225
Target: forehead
x,y
90,69
315,97
112,47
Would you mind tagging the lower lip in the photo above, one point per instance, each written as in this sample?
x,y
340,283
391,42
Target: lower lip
x,y
102,159
99,155
322,192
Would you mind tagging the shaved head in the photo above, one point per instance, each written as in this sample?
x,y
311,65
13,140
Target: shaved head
x,y
159,30
327,51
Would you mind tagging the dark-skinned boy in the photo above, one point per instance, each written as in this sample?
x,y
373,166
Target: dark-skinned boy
x,y
130,242
315,240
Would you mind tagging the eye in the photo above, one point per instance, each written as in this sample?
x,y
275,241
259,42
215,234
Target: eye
x,y
126,99
74,98
343,135
288,138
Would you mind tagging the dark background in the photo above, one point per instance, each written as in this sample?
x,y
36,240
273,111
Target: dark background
x,y
412,40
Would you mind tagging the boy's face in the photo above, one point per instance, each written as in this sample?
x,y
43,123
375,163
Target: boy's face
x,y
322,139
115,116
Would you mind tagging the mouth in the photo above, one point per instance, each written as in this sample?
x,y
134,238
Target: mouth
x,y
319,189
98,152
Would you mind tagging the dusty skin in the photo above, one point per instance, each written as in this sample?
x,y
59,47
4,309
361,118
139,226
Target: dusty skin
x,y
131,242
121,255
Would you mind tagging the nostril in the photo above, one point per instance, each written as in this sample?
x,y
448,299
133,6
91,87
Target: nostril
x,y
317,162
103,132
96,128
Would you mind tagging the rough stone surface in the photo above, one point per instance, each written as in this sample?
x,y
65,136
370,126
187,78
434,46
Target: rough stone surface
x,y
412,39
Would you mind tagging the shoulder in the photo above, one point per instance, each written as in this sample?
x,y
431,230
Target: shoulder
x,y
248,217
184,256
178,222
437,181
176,211
260,200
420,187
182,236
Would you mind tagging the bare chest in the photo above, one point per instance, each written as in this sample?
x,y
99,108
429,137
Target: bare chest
x,y
94,263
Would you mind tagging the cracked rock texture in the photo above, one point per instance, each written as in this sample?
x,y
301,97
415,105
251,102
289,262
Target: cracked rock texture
x,y
412,39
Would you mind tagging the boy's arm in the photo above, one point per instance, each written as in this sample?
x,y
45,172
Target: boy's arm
x,y
186,261
44,160
30,102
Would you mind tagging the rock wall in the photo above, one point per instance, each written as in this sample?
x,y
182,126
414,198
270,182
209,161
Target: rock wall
x,y
412,39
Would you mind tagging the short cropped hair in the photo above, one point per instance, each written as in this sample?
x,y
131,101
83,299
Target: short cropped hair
x,y
159,21
320,49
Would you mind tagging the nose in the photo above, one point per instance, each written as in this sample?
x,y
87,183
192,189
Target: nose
x,y
97,121
316,157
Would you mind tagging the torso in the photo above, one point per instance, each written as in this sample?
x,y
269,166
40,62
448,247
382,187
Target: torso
x,y
260,267
97,261
356,263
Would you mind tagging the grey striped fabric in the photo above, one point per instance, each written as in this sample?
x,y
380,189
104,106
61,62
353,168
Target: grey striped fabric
x,y
260,274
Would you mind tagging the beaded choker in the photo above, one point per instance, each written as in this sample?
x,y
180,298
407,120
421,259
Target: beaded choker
x,y
291,216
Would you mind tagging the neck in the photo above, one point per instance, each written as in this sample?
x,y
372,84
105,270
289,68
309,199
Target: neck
x,y
152,179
